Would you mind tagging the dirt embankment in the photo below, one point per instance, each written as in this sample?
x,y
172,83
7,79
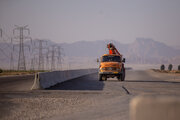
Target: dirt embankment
x,y
17,73
167,71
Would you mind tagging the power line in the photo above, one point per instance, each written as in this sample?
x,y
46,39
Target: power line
x,y
3,35
4,53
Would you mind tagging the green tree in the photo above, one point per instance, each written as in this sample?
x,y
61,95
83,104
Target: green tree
x,y
178,67
170,67
1,70
162,67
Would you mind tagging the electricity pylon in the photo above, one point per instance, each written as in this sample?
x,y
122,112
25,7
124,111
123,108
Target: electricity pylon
x,y
53,54
32,63
12,62
47,61
21,38
41,55
0,32
60,57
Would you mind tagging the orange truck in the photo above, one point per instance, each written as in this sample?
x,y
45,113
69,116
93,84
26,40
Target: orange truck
x,y
112,65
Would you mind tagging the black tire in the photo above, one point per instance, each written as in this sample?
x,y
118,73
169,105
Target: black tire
x,y
123,75
100,77
119,77
104,78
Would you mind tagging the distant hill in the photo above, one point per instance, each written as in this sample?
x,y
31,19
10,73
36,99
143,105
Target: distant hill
x,y
141,51
150,51
90,49
177,47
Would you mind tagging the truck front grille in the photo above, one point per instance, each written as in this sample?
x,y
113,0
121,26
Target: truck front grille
x,y
110,68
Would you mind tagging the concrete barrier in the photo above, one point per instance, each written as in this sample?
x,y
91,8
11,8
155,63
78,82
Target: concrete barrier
x,y
155,108
47,79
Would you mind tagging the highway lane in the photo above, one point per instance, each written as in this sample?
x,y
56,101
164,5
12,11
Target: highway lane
x,y
16,83
115,96
137,82
86,97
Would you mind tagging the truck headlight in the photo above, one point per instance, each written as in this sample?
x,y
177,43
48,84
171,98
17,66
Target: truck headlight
x,y
102,68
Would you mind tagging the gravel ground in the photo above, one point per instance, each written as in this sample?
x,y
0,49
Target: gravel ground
x,y
37,105
82,98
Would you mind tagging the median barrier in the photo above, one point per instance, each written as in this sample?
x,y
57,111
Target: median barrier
x,y
155,108
47,79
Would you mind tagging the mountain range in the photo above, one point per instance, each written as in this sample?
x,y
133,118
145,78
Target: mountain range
x,y
141,51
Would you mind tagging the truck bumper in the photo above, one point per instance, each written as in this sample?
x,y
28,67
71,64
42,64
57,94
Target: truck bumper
x,y
110,73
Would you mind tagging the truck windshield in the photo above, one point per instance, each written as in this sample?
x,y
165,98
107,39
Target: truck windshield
x,y
111,59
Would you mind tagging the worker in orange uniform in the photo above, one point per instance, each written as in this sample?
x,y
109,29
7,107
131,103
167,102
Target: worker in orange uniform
x,y
112,49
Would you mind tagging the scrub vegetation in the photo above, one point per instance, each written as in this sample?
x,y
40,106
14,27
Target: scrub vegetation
x,y
16,72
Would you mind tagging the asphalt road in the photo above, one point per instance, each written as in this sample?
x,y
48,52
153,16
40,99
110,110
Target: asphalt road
x,y
16,83
82,98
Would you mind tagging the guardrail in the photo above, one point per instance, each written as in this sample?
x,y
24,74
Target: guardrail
x,y
47,79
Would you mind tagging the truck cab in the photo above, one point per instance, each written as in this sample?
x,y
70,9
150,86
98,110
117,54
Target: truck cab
x,y
112,65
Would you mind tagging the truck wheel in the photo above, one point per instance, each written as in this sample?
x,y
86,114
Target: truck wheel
x,y
119,77
123,75
104,78
100,77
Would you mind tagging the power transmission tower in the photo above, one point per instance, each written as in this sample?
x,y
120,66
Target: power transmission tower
x,y
0,32
36,61
21,38
32,63
60,57
53,55
12,62
47,61
53,58
8,53
41,55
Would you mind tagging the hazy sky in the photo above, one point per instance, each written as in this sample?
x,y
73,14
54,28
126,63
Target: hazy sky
x,y
75,20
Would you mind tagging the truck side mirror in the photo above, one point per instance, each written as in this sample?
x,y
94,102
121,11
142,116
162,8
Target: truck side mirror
x,y
124,60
